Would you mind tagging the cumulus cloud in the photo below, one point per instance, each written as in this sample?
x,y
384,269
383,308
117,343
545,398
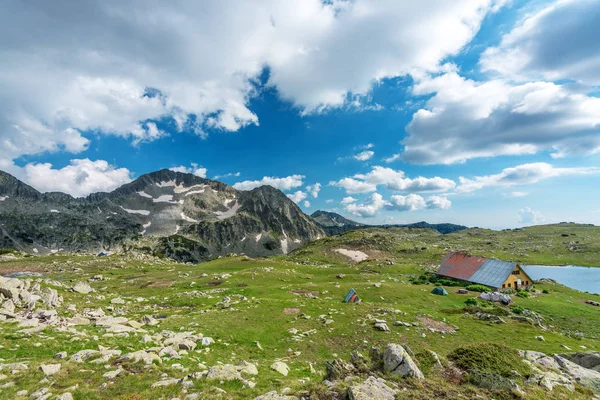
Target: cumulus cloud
x,y
80,178
348,200
517,194
410,202
364,155
528,217
306,203
392,180
467,119
286,183
369,208
521,175
560,41
193,169
227,175
298,196
114,67
392,158
314,189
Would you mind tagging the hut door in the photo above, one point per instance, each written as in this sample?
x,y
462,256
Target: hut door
x,y
519,282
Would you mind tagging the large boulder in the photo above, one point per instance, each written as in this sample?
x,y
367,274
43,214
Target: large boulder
x,y
585,377
495,297
372,388
274,396
83,288
397,361
224,372
589,360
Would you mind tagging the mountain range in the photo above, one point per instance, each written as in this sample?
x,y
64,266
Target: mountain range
x,y
166,213
334,224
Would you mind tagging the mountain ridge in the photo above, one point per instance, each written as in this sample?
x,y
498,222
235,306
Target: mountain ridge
x,y
334,224
214,218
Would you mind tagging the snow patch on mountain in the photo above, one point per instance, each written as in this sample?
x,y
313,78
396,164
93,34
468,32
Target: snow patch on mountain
x,y
2,198
144,194
186,218
141,212
231,211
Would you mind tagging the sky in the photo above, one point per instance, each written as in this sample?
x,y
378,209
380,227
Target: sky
x,y
477,112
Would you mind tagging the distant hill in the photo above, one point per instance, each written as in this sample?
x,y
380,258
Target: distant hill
x,y
334,224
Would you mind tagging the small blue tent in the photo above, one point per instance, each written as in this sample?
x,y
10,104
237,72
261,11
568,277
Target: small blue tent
x,y
352,297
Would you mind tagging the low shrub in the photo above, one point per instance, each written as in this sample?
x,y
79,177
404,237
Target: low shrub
x,y
427,361
545,291
493,358
471,302
509,291
6,251
517,309
478,288
523,294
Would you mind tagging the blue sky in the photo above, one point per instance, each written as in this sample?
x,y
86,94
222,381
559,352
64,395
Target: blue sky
x,y
484,113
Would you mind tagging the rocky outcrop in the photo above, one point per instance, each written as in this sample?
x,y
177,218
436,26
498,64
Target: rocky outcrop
x,y
372,388
397,361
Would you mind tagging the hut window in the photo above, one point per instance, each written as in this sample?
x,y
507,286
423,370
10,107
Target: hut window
x,y
509,285
503,285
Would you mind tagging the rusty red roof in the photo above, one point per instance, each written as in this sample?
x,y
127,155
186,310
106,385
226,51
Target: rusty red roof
x,y
460,265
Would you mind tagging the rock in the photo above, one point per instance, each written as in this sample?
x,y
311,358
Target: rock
x,y
112,374
549,380
82,287
589,360
540,338
165,382
41,394
65,396
372,388
540,359
84,355
207,341
117,300
280,367
489,317
247,368
50,369
585,377
224,372
61,355
382,326
148,320
495,297
339,369
134,324
187,345
396,361
274,396
141,356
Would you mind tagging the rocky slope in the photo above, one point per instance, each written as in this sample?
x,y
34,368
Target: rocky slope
x,y
170,213
334,224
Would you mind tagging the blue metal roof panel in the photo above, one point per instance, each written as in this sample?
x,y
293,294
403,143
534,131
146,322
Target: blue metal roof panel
x,y
493,273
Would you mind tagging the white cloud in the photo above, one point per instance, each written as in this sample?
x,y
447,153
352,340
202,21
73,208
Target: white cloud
x,y
518,194
521,175
298,196
364,155
286,183
227,175
392,180
314,190
411,202
366,146
414,202
306,203
80,178
528,217
467,119
368,209
348,200
392,158
439,202
329,201
113,67
193,169
557,42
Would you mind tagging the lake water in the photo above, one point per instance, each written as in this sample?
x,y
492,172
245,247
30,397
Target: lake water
x,y
584,279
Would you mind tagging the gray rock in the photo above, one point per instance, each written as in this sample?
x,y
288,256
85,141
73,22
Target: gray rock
x,y
585,377
396,361
224,372
50,369
65,396
280,367
112,374
381,326
141,356
495,297
339,369
372,388
83,288
275,396
589,360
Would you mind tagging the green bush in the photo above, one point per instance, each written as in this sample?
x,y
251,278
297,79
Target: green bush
x,y
517,309
478,288
523,294
471,302
6,251
427,361
509,291
545,291
489,357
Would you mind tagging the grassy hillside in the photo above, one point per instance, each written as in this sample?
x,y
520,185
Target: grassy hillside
x,y
272,298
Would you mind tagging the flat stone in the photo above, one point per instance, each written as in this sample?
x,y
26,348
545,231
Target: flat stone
x,y
372,388
280,367
50,369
